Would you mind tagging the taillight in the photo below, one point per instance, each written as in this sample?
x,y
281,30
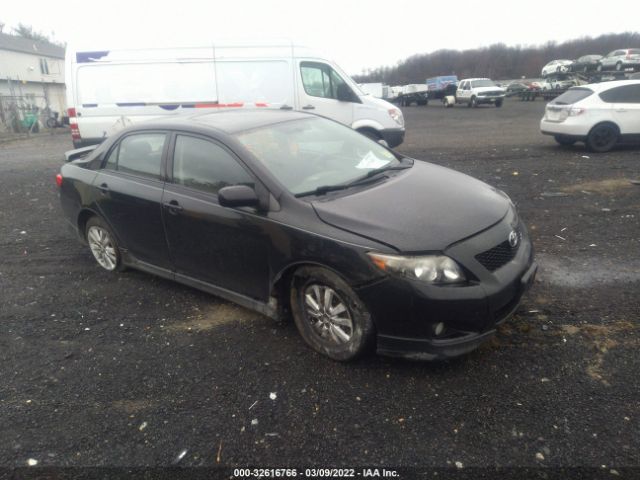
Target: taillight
x,y
59,180
73,124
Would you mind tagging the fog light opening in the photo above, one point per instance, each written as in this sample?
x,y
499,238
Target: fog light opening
x,y
438,328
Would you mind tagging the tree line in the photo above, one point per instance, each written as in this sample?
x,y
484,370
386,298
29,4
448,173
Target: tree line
x,y
497,61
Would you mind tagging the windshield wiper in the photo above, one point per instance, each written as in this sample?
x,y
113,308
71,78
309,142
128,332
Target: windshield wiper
x,y
365,179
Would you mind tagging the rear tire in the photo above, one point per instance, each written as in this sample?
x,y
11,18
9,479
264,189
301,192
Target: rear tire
x,y
103,245
564,140
329,315
498,103
602,138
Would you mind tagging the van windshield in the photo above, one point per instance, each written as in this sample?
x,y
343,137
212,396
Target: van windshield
x,y
313,152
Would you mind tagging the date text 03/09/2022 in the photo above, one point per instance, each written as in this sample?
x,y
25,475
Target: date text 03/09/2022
x,y
315,473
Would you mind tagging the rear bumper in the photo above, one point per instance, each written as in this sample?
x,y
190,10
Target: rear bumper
x,y
566,128
87,142
393,136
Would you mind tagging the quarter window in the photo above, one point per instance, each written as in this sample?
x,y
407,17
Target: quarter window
x,y
139,154
206,166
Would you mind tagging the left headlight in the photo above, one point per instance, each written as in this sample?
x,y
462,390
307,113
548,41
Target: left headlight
x,y
436,269
397,116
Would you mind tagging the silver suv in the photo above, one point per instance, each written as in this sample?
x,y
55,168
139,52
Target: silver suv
x,y
620,60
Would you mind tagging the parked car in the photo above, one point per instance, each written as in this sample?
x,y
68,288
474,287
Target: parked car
x,y
620,60
477,91
516,87
286,211
600,115
556,66
558,83
586,63
110,89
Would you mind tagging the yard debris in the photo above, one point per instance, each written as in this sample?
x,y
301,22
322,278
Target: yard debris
x,y
253,404
539,456
180,456
558,236
554,194
273,434
634,182
273,395
586,156
219,452
459,464
606,209
254,422
142,426
32,462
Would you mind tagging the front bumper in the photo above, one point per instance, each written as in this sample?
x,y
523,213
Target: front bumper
x,y
482,100
393,136
406,312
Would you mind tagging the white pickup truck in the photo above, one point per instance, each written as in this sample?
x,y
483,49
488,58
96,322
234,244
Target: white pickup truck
x,y
476,91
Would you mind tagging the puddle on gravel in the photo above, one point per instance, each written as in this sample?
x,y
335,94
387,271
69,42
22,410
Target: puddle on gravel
x,y
585,272
607,186
213,317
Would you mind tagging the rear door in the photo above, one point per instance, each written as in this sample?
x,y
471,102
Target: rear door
x,y
222,246
319,92
626,108
129,195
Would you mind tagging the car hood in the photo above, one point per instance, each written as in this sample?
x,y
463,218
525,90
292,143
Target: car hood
x,y
488,89
425,208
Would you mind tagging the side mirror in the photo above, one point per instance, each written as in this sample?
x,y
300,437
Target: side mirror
x,y
345,94
238,196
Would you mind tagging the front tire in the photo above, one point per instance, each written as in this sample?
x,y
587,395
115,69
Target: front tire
x,y
474,102
602,138
498,103
103,244
619,67
329,315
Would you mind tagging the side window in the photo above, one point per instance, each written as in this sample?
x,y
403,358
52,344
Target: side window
x,y
112,160
140,154
624,94
320,80
205,166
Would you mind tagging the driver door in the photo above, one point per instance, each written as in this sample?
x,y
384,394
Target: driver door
x,y
319,92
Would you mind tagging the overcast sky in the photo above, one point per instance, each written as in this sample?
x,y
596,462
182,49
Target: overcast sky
x,y
356,34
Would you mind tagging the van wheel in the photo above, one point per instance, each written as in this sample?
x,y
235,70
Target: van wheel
x,y
103,244
474,102
602,138
329,315
564,140
619,67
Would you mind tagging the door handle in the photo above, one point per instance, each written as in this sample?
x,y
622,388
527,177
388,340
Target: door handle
x,y
104,188
308,107
173,206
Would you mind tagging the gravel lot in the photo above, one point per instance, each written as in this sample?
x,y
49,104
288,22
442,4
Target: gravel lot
x,y
128,370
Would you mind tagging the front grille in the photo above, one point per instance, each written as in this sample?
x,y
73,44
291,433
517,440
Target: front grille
x,y
491,94
501,254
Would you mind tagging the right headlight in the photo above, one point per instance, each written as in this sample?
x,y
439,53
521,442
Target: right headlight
x,y
436,269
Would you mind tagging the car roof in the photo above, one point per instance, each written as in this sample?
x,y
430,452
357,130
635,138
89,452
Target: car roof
x,y
471,79
228,121
602,86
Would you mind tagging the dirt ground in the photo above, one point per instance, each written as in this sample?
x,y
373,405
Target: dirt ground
x,y
128,370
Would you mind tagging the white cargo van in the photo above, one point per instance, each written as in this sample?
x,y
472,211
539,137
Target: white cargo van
x,y
110,89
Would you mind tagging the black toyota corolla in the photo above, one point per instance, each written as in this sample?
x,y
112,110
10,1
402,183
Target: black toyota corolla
x,y
294,214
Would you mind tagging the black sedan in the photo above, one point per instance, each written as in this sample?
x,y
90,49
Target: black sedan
x,y
293,214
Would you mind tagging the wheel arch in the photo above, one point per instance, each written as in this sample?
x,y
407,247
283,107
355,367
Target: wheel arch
x,y
281,283
605,122
83,217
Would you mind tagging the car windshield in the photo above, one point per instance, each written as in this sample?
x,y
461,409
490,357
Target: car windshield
x,y
572,96
313,153
483,83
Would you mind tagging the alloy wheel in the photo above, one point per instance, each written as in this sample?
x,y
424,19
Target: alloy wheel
x,y
328,314
102,247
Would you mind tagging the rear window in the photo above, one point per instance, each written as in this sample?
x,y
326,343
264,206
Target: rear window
x,y
572,96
